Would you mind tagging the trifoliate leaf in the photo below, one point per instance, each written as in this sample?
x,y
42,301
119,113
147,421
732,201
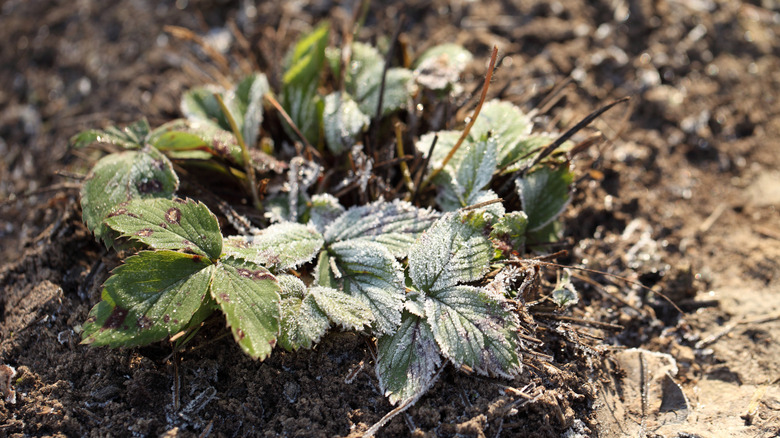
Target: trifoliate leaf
x,y
508,125
176,224
545,193
473,329
508,233
121,177
325,208
154,294
249,296
369,272
393,224
342,309
302,324
279,247
407,360
452,251
342,121
440,66
133,136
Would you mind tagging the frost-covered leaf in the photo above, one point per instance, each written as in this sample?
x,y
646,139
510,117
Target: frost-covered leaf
x,y
446,141
440,66
303,65
393,224
325,208
475,330
508,125
169,224
133,136
463,187
342,309
407,360
342,121
121,177
396,94
509,232
249,296
279,247
369,272
452,251
564,294
544,193
154,294
324,274
303,323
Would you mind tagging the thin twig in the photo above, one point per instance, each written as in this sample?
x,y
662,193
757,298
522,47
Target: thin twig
x,y
465,133
399,147
250,169
292,124
423,168
568,134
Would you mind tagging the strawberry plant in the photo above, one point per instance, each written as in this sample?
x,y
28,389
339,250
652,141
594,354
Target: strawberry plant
x,y
342,239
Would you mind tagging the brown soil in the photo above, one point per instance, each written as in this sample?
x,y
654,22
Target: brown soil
x,y
685,200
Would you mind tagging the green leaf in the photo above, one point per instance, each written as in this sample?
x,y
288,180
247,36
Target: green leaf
x,y
325,208
446,141
440,66
199,105
307,315
369,272
279,247
507,125
176,224
303,322
342,121
463,187
452,251
153,295
545,193
324,271
509,232
249,296
133,136
396,94
407,360
474,329
342,309
303,65
121,177
393,224
247,99
564,294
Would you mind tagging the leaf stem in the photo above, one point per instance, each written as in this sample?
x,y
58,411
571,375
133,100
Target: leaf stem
x,y
465,133
289,120
399,147
250,170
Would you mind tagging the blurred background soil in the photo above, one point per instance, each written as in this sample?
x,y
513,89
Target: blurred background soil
x,y
683,196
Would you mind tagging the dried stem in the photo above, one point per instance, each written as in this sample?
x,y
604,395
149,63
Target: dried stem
x,y
399,147
465,133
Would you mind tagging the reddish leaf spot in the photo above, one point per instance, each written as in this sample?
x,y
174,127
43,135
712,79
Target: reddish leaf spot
x,y
196,258
173,215
272,342
179,201
224,297
146,232
166,318
175,321
255,275
132,215
149,186
116,318
158,164
221,148
244,273
240,333
144,323
118,212
163,225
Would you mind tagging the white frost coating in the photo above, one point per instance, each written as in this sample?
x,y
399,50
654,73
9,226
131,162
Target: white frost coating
x,y
281,246
342,121
325,208
373,275
393,224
